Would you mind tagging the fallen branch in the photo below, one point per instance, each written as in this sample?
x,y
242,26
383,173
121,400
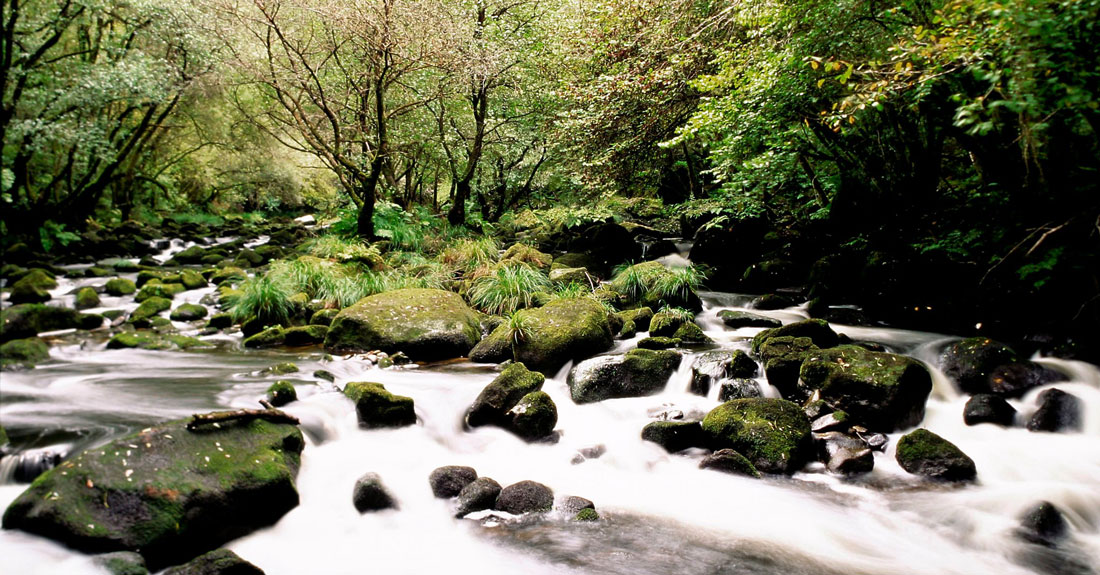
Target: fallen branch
x,y
214,418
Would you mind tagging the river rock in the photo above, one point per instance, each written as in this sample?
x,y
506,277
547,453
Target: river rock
x,y
659,343
160,290
1058,411
86,298
665,323
323,317
817,330
525,497
832,421
270,337
637,373
1044,524
217,562
166,492
715,366
640,317
561,331
971,362
773,434
689,332
739,319
502,394
927,454
281,393
228,275
479,495
426,324
29,319
371,495
119,287
305,335
150,308
772,301
1016,379
122,563
33,288
731,462
988,408
192,279
375,407
782,358
188,312
23,353
882,391
843,453
739,388
674,435
448,481
534,417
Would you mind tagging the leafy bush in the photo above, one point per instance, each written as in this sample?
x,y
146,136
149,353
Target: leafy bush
x,y
507,289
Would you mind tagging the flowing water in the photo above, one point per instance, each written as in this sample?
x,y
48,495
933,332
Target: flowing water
x,y
660,513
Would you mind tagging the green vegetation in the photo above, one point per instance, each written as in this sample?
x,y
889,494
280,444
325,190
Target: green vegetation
x,y
265,297
508,288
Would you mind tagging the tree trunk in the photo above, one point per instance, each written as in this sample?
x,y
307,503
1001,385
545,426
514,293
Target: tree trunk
x,y
365,223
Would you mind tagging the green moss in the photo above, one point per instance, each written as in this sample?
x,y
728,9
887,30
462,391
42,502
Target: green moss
x,y
220,321
26,320
503,393
323,317
305,335
159,290
192,279
689,332
817,330
564,330
188,312
3,436
665,323
641,317
376,407
925,453
119,287
534,417
588,514
185,342
228,274
30,350
86,297
148,309
281,369
281,393
773,434
130,340
270,337
659,343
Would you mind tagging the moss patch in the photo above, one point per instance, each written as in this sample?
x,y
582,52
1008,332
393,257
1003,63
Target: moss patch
x,y
376,407
773,434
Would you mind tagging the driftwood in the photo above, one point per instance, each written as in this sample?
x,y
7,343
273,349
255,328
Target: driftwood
x,y
272,415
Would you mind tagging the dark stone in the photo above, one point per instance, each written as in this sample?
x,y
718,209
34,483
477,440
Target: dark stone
x,y
988,408
637,373
739,319
844,454
27,320
739,389
305,335
782,358
534,417
1043,524
220,321
1016,379
281,393
479,495
835,421
1058,411
927,454
502,394
772,301
448,481
219,562
773,434
188,312
376,407
525,497
729,461
371,495
715,366
675,435
971,362
122,563
817,330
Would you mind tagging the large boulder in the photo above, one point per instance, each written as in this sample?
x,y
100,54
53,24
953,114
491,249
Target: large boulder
x,y
27,320
33,288
561,331
1058,411
988,408
376,407
167,492
929,455
534,417
817,330
218,562
637,373
426,324
882,391
773,434
782,358
502,394
971,362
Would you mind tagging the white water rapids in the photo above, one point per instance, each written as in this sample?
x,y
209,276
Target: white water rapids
x,y
660,513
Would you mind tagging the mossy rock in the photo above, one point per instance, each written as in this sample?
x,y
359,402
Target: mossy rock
x,y
218,562
715,366
525,497
425,324
3,436
817,330
189,312
561,331
323,317
270,337
637,373
228,274
305,335
587,515
122,563
281,369
690,332
675,435
926,454
192,279
375,407
248,258
220,321
665,323
132,340
739,319
186,342
176,494
30,319
970,363
534,417
119,287
33,288
228,297
98,272
86,298
782,358
161,290
773,434
881,391
281,393
639,316
528,255
270,252
564,276
731,462
502,394
495,347
23,353
628,330
659,343
149,309
146,277
191,255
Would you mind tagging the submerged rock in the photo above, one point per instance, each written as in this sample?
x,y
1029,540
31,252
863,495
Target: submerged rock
x,y
1044,524
674,435
525,497
448,481
479,495
371,495
773,434
426,324
1058,411
375,407
167,492
637,373
218,562
927,454
731,462
988,408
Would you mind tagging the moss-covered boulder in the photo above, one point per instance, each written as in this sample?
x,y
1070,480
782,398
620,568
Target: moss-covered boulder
x,y
281,369
146,277
23,353
739,319
639,316
970,363
33,288
375,407
731,462
665,323
881,391
659,343
305,335
782,358
119,287
426,324
563,276
149,309
929,455
715,366
220,321
817,330
528,255
188,312
502,394
689,332
228,275
86,298
134,340
561,331
674,435
161,290
30,319
270,337
166,492
773,434
217,562
281,393
323,317
191,255
192,279
534,417
637,373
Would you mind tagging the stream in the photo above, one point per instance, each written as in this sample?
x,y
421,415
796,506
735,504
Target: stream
x,y
659,513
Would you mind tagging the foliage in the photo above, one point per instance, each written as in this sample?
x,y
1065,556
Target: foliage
x,y
508,289
342,250
571,290
52,233
678,284
469,255
678,313
266,297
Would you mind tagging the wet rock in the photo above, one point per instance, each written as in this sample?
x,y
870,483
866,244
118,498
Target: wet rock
x,y
691,333
782,358
731,462
188,312
835,421
426,324
773,434
281,369
479,495
191,255
218,562
376,407
988,408
1058,411
739,319
665,323
572,505
638,373
882,391
448,481
817,330
587,515
23,353
971,362
502,394
561,331
325,375
86,298
228,274
281,393
122,563
739,388
304,335
525,497
927,454
158,290
844,454
150,308
674,435
1044,524
1016,379
659,343
270,337
772,301
192,279
640,317
119,287
534,417
167,492
371,495
90,321
715,366
323,317
30,319
33,288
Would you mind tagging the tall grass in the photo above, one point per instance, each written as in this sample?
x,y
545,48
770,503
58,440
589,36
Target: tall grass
x,y
267,297
508,289
679,284
468,255
655,282
571,290
342,250
636,280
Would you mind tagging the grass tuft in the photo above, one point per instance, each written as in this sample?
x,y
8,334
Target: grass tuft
x,y
508,289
